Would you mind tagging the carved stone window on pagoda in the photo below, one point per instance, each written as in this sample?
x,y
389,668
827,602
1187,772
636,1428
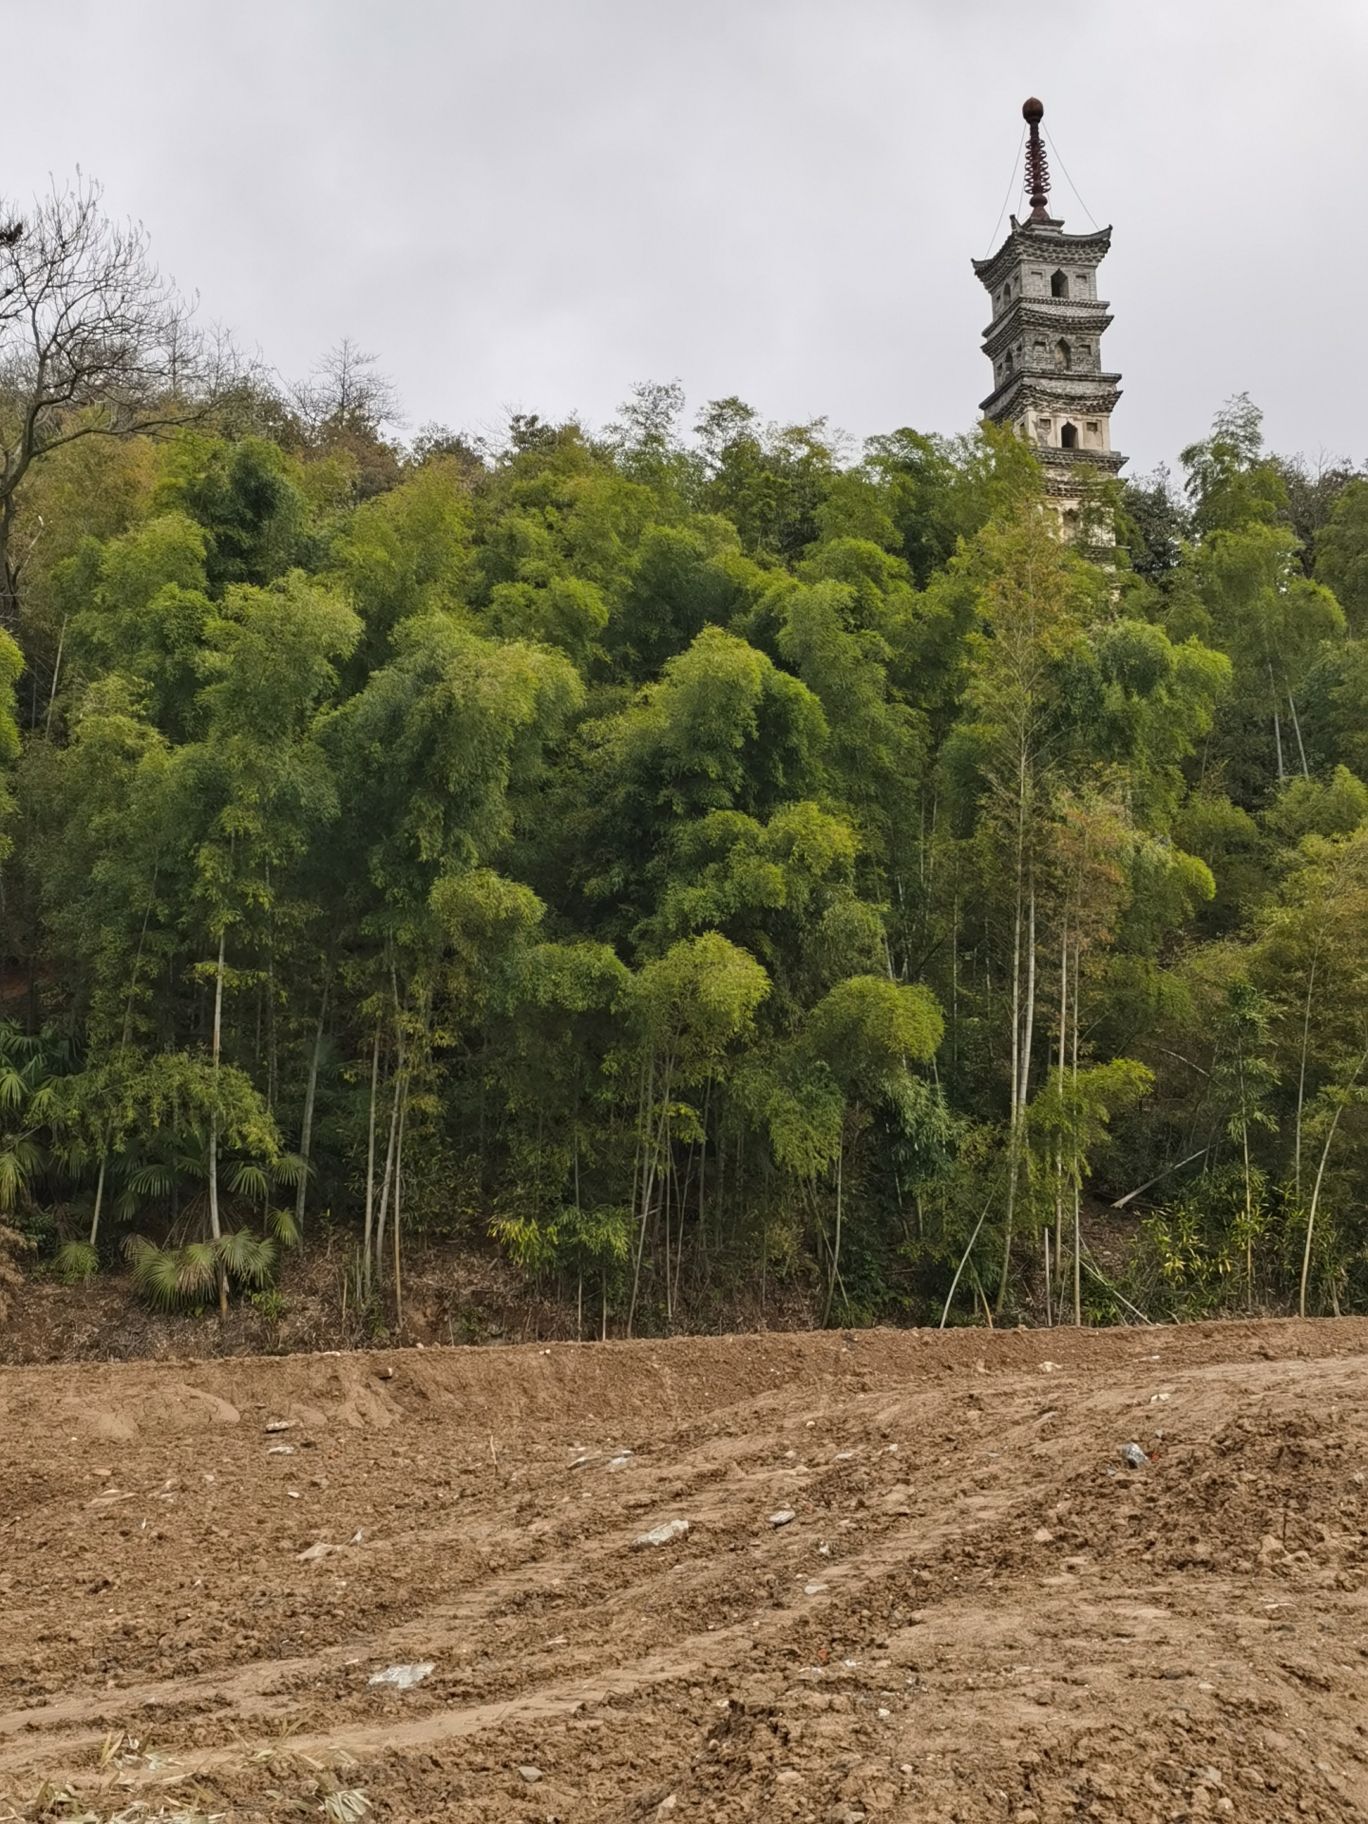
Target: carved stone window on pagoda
x,y
1059,285
1063,356
1068,436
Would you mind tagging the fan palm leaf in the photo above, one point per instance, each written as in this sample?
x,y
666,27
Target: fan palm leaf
x,y
249,1180
151,1179
20,1158
14,1087
77,1263
196,1270
291,1169
283,1227
156,1274
249,1258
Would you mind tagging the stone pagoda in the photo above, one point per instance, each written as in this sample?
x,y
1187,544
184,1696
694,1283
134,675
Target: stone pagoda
x,y
1045,339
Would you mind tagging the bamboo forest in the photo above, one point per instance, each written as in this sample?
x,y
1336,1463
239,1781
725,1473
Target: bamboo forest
x,y
694,861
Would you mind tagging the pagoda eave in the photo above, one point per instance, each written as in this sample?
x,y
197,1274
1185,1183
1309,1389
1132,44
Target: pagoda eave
x,y
1056,462
1053,392
1040,240
1048,314
1011,329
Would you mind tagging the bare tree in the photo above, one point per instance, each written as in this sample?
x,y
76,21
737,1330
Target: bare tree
x,y
347,392
344,407
94,341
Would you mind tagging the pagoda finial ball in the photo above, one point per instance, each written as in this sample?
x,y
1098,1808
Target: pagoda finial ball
x,y
1033,110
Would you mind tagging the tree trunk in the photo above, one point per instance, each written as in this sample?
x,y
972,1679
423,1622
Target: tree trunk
x,y
1296,729
702,1177
1316,1190
388,1178
1301,1077
1045,1237
56,673
1249,1217
370,1165
272,1040
99,1199
306,1125
1021,1088
398,1189
666,1177
9,575
651,1143
215,1228
1059,1142
1077,1195
1012,1163
1248,1190
954,981
964,1261
836,1245
1029,1037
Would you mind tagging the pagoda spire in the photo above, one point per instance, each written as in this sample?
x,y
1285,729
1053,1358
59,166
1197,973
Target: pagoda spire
x,y
1037,170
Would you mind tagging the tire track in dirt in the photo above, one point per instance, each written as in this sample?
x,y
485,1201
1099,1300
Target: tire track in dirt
x,y
673,1482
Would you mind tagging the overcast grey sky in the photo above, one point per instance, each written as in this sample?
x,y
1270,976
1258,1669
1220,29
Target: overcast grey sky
x,y
534,203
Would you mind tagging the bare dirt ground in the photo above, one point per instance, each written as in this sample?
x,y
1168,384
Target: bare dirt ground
x,y
976,1612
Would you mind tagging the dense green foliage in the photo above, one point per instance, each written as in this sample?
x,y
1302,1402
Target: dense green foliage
x,y
694,863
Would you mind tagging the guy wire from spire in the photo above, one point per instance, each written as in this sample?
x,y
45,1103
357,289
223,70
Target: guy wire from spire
x,y
1054,151
1006,201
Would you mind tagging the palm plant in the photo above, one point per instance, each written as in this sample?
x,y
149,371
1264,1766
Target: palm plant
x,y
184,1269
27,1070
33,1152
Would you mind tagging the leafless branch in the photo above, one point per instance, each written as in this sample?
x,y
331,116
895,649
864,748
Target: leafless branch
x,y
94,340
